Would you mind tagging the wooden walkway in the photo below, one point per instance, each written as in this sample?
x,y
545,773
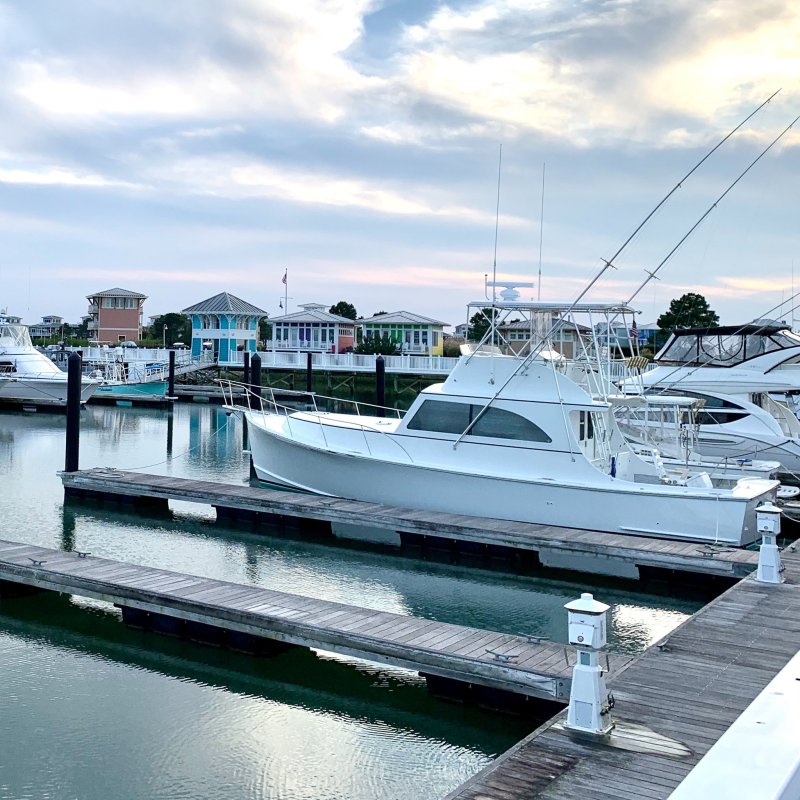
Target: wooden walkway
x,y
672,704
567,548
504,662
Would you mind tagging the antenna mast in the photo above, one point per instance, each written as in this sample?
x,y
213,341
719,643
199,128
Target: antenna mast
x,y
541,230
496,224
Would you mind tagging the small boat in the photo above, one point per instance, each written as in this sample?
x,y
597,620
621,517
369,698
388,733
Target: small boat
x,y
28,377
125,379
505,436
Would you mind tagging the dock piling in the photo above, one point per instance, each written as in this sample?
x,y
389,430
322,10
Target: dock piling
x,y
246,376
171,384
255,374
309,373
380,385
72,445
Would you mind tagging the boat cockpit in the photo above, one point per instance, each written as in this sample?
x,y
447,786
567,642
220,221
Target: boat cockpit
x,y
725,346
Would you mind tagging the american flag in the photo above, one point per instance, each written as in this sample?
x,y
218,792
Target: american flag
x,y
283,279
634,330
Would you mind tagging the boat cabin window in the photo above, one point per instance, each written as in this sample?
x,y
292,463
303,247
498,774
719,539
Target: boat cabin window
x,y
7,367
715,410
440,416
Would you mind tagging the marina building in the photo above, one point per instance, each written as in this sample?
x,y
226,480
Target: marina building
x,y
227,324
412,333
116,315
313,329
49,327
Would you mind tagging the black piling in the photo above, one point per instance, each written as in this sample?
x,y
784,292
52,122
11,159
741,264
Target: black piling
x,y
309,374
255,374
170,426
380,384
171,386
246,377
72,447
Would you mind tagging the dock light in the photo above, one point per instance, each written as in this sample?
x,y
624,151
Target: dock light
x,y
589,702
768,524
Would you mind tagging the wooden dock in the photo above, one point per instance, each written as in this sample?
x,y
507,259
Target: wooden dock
x,y
564,548
672,704
456,657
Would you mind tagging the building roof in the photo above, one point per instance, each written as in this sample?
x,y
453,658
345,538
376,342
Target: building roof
x,y
116,293
224,303
314,312
402,318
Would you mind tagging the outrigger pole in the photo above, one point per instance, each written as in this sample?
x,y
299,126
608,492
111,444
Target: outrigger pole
x,y
652,273
608,263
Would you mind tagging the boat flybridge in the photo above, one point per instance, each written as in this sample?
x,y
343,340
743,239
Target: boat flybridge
x,y
28,376
507,435
747,379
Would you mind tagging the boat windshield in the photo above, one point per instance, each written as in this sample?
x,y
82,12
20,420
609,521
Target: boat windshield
x,y
724,349
441,416
15,336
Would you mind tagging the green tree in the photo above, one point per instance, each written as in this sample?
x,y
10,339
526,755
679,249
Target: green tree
x,y
344,309
264,330
178,328
377,345
479,323
688,311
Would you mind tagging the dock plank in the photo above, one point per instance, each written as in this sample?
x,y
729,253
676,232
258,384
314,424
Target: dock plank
x,y
686,696
610,549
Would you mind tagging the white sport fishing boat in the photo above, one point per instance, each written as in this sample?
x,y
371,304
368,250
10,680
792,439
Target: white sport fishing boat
x,y
508,437
28,377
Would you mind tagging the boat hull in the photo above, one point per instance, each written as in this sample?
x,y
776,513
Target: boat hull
x,y
151,389
40,391
616,507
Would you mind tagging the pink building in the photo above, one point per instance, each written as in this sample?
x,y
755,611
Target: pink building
x,y
116,315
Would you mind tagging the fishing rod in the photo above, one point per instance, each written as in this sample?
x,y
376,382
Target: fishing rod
x,y
679,184
652,274
608,263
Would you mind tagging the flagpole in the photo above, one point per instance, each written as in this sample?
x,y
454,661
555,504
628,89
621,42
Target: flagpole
x,y
286,292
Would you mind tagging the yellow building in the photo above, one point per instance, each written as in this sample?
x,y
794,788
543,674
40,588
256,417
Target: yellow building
x,y
412,333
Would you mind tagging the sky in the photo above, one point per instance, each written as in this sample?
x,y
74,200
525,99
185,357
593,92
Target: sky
x,y
392,154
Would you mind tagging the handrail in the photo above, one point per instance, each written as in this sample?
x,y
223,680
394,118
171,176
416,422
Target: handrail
x,y
288,411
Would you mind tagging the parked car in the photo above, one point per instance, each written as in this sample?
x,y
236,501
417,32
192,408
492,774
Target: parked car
x,y
179,346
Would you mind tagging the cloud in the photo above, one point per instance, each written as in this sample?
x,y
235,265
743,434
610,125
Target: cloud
x,y
237,178
243,60
60,176
596,73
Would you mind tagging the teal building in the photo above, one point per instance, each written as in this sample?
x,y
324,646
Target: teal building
x,y
225,323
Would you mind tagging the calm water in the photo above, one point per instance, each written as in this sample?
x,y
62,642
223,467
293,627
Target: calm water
x,y
91,709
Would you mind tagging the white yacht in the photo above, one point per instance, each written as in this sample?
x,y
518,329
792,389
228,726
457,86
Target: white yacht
x,y
747,379
508,437
733,360
28,377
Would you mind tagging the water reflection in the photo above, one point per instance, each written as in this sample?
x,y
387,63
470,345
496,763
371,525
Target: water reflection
x,y
187,721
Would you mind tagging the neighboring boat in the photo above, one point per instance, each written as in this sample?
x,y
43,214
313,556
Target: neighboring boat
x,y
508,437
27,376
734,360
740,376
125,379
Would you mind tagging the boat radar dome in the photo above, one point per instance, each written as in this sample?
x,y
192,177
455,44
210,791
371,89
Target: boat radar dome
x,y
509,293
